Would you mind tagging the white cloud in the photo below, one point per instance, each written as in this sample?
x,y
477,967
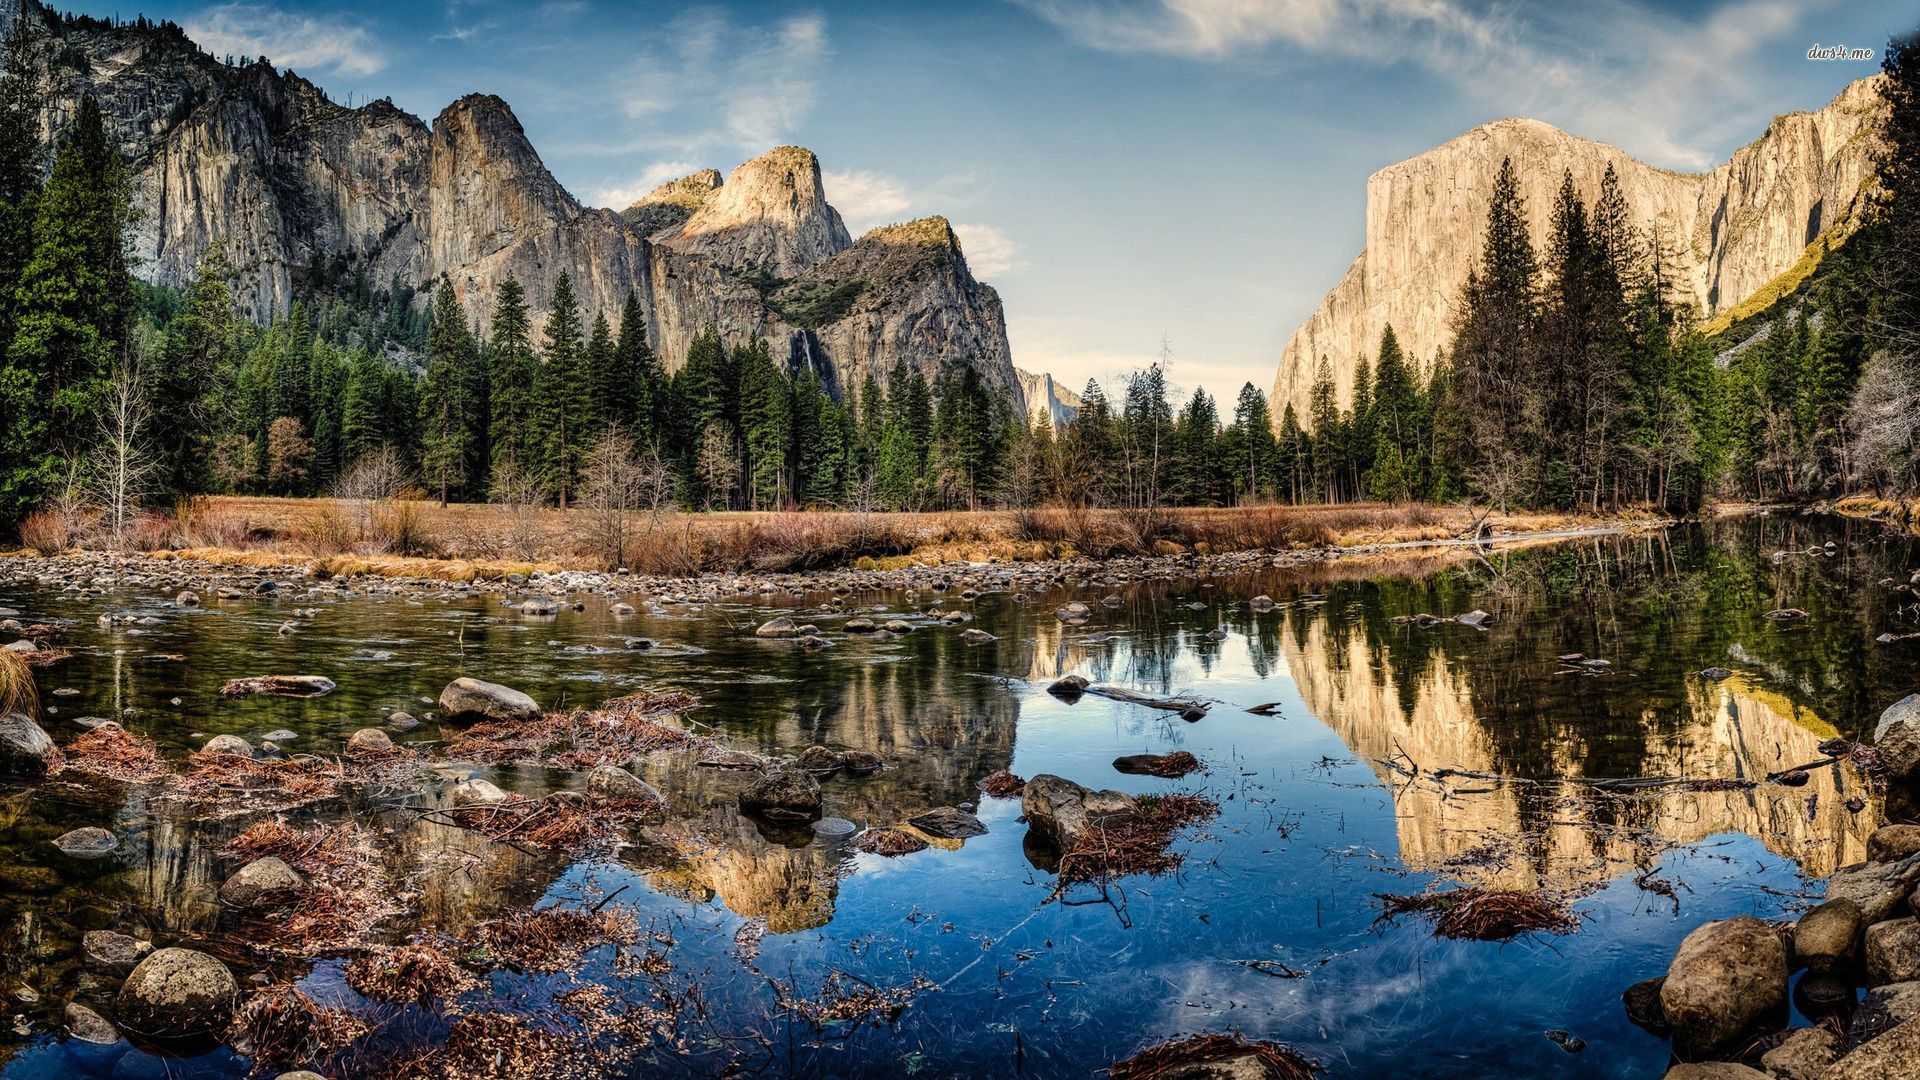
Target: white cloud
x,y
301,42
1616,70
989,251
866,199
621,196
745,87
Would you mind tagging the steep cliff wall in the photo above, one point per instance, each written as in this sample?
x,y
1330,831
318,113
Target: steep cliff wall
x,y
1728,232
286,178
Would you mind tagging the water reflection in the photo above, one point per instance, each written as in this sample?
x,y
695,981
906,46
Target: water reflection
x,y
1319,803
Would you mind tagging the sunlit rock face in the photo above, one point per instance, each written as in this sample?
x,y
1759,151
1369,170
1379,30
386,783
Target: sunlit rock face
x,y
1727,232
298,187
1522,835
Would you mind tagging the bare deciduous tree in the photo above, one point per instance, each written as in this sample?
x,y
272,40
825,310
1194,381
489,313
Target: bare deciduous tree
x,y
374,477
519,490
616,484
123,472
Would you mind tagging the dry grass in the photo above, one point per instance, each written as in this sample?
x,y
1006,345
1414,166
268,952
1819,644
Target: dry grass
x,y
613,734
417,538
1479,914
285,1027
117,754
1176,1056
18,692
1140,844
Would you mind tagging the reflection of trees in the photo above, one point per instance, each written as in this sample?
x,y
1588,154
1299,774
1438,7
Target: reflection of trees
x,y
1657,607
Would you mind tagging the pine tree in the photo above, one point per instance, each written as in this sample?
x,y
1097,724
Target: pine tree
x,y
1253,447
1194,465
21,157
449,456
607,392
1498,415
512,371
201,354
969,435
767,425
72,308
563,396
639,400
1323,411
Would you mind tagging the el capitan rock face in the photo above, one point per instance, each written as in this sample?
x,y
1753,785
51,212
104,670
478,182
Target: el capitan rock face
x,y
290,181
1728,232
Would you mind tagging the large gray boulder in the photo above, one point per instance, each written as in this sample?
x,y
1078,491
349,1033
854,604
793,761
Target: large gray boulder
x,y
1062,811
87,842
25,749
477,699
261,883
1893,952
1898,750
786,791
1879,888
1828,937
1725,979
177,994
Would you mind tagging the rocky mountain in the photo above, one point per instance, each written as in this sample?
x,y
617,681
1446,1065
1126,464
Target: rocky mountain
x,y
290,180
1041,396
1728,232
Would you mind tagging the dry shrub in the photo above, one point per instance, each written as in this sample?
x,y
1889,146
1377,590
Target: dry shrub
x,y
552,940
1003,785
117,754
845,999
891,843
201,522
48,532
1138,844
1480,914
286,1027
325,530
417,974
18,692
400,526
1178,1057
152,531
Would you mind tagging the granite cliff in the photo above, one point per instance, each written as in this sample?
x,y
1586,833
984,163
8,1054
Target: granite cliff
x,y
264,161
1728,232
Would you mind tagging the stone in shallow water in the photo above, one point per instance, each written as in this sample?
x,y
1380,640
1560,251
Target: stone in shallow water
x,y
948,823
87,843
1727,978
834,828
177,993
113,951
260,883
89,1026
477,699
783,793
233,745
25,749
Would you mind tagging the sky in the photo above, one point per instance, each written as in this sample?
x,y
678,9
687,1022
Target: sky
x,y
1131,175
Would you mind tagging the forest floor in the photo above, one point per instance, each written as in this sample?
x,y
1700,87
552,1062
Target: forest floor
x,y
464,541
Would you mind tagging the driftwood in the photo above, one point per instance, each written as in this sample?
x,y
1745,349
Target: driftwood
x,y
1186,707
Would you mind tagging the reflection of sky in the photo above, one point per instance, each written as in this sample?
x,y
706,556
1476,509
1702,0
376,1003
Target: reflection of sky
x,y
1084,984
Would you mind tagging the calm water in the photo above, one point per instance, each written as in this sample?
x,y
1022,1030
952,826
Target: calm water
x,y
1312,824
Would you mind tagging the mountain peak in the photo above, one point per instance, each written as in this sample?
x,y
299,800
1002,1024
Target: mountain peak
x,y
770,214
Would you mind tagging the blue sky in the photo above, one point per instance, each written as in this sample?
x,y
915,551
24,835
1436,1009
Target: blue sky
x,y
1120,169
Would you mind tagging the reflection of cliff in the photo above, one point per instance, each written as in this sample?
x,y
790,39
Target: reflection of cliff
x,y
1529,833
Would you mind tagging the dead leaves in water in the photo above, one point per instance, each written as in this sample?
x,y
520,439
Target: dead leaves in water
x,y
1179,1056
1480,914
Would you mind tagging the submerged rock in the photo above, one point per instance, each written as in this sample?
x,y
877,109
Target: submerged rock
x,y
476,792
89,842
89,1026
112,951
177,993
834,828
948,823
1068,686
477,699
778,627
819,759
25,749
1727,977
783,792
615,784
261,883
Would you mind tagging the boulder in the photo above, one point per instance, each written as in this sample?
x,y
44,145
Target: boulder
x,y
176,994
115,952
621,610
615,784
1475,618
861,761
477,699
1726,978
1803,1055
973,636
1828,937
1883,1008
1890,843
262,883
778,627
476,792
948,823
783,792
369,740
1893,951
25,749
1880,889
898,626
860,625
1897,747
88,1026
88,842
1073,612
1068,686
229,745
819,759
400,720
1894,1054
1906,710
1061,811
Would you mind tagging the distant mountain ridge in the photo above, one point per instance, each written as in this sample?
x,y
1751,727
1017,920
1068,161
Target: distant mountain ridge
x,y
1730,232
289,178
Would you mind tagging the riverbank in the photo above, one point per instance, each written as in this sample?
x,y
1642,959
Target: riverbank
x,y
331,538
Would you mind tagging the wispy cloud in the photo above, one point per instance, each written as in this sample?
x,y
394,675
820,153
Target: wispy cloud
x,y
866,199
328,43
621,196
1615,70
743,85
990,252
